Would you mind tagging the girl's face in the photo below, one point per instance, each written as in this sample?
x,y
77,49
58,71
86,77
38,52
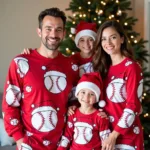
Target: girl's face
x,y
86,44
86,97
111,41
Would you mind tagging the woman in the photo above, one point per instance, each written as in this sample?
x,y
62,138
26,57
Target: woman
x,y
123,85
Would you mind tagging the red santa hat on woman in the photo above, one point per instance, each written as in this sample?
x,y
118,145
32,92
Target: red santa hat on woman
x,y
84,29
93,82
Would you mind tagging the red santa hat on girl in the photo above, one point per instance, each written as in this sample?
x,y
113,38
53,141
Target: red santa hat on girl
x,y
84,29
93,82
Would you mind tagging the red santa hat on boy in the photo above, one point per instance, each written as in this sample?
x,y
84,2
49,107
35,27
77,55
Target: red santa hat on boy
x,y
84,29
92,81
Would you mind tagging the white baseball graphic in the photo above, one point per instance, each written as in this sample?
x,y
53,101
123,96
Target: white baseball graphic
x,y
136,130
64,141
55,81
44,118
83,132
23,66
25,147
85,68
74,67
14,122
104,134
111,118
116,91
140,90
46,142
13,95
124,147
128,63
126,119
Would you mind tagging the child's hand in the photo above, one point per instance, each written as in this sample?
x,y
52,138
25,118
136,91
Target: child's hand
x,y
102,114
71,110
25,51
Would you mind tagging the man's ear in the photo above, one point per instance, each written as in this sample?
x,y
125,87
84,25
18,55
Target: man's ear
x,y
38,30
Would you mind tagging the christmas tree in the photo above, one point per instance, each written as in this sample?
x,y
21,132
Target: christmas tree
x,y
99,11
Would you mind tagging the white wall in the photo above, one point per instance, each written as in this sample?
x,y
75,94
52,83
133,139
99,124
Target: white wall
x,y
18,23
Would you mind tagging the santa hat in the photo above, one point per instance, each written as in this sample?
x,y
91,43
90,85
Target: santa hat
x,y
93,82
84,29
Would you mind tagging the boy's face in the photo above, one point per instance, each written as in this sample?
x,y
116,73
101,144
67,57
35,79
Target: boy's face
x,y
86,44
86,97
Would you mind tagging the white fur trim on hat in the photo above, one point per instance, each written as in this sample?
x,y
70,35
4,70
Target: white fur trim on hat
x,y
84,33
88,85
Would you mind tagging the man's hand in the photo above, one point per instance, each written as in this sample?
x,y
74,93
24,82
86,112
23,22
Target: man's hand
x,y
19,142
26,51
71,110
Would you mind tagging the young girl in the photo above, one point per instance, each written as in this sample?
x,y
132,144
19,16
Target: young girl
x,y
85,129
123,81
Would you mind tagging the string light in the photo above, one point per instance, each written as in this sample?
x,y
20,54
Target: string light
x,y
144,94
100,12
99,22
80,7
84,15
74,15
95,18
70,35
74,22
135,41
117,1
125,23
89,10
73,53
89,2
132,36
119,13
80,15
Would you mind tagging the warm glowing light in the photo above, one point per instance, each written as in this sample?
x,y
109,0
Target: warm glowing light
x,y
100,12
99,22
135,41
70,35
73,53
95,18
144,94
117,1
84,15
74,15
125,23
89,10
89,2
80,7
74,22
132,36
80,15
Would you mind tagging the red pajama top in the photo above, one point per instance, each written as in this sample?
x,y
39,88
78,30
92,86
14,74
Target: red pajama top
x,y
85,66
35,99
84,132
124,87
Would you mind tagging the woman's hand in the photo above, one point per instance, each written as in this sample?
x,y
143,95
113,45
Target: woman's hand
x,y
109,143
102,114
26,51
71,110
19,142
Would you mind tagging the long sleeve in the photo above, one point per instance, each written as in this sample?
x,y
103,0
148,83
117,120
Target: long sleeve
x,y
12,98
134,89
68,134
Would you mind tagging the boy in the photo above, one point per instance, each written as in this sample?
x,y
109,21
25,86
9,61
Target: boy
x,y
85,129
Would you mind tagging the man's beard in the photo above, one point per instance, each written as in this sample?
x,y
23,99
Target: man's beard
x,y
51,47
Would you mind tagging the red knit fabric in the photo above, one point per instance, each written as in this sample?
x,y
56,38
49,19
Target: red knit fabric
x,y
84,131
124,86
35,98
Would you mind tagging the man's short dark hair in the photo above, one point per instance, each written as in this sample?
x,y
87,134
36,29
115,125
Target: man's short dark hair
x,y
54,12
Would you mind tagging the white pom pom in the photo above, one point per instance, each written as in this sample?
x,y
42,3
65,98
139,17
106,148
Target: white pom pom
x,y
102,103
73,30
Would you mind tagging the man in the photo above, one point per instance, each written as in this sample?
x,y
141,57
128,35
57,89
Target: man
x,y
37,86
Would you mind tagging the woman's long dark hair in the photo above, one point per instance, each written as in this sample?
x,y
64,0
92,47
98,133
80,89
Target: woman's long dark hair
x,y
101,60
